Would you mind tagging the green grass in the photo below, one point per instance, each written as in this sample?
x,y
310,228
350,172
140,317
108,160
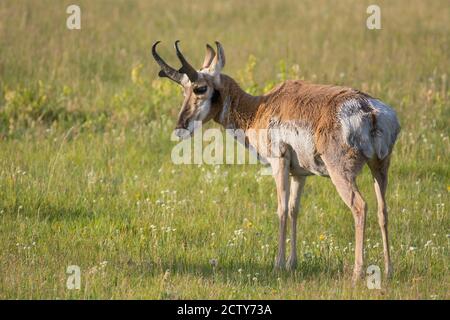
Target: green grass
x,y
86,174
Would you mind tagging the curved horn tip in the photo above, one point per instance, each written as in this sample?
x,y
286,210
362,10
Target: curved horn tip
x,y
177,48
166,70
156,43
154,46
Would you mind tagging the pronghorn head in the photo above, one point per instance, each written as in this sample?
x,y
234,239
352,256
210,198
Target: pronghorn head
x,y
200,88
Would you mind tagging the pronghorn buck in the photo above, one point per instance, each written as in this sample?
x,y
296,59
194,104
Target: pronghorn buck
x,y
320,130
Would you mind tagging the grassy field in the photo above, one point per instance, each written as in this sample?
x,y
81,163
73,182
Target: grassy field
x,y
86,176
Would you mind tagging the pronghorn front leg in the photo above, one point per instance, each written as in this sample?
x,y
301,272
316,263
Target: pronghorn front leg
x,y
280,169
297,184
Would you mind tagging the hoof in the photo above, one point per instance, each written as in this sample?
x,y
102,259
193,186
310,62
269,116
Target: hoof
x,y
291,264
357,277
279,264
388,272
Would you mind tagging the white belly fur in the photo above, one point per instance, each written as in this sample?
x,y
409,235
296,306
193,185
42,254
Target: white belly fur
x,y
298,138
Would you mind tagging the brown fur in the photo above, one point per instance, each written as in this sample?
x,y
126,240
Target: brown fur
x,y
295,100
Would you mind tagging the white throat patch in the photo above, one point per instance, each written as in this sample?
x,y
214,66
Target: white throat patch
x,y
225,113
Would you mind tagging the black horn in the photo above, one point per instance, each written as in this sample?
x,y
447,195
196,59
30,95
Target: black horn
x,y
186,67
166,70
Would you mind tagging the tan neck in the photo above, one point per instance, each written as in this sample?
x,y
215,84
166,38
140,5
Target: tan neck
x,y
239,108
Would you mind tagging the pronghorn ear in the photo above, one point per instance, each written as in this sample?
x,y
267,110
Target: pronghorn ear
x,y
209,56
217,64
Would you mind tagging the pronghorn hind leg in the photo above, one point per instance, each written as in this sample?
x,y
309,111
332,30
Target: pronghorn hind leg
x,y
280,169
297,184
379,169
344,179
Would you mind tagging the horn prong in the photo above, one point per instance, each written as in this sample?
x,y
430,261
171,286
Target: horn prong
x,y
166,70
186,67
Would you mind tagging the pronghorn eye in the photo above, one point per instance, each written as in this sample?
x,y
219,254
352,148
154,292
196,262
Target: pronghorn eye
x,y
200,90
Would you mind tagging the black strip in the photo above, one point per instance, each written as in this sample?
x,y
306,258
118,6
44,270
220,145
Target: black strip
x,y
215,97
226,309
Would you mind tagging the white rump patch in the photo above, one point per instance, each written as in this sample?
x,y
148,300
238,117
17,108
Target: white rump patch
x,y
356,125
358,129
387,127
